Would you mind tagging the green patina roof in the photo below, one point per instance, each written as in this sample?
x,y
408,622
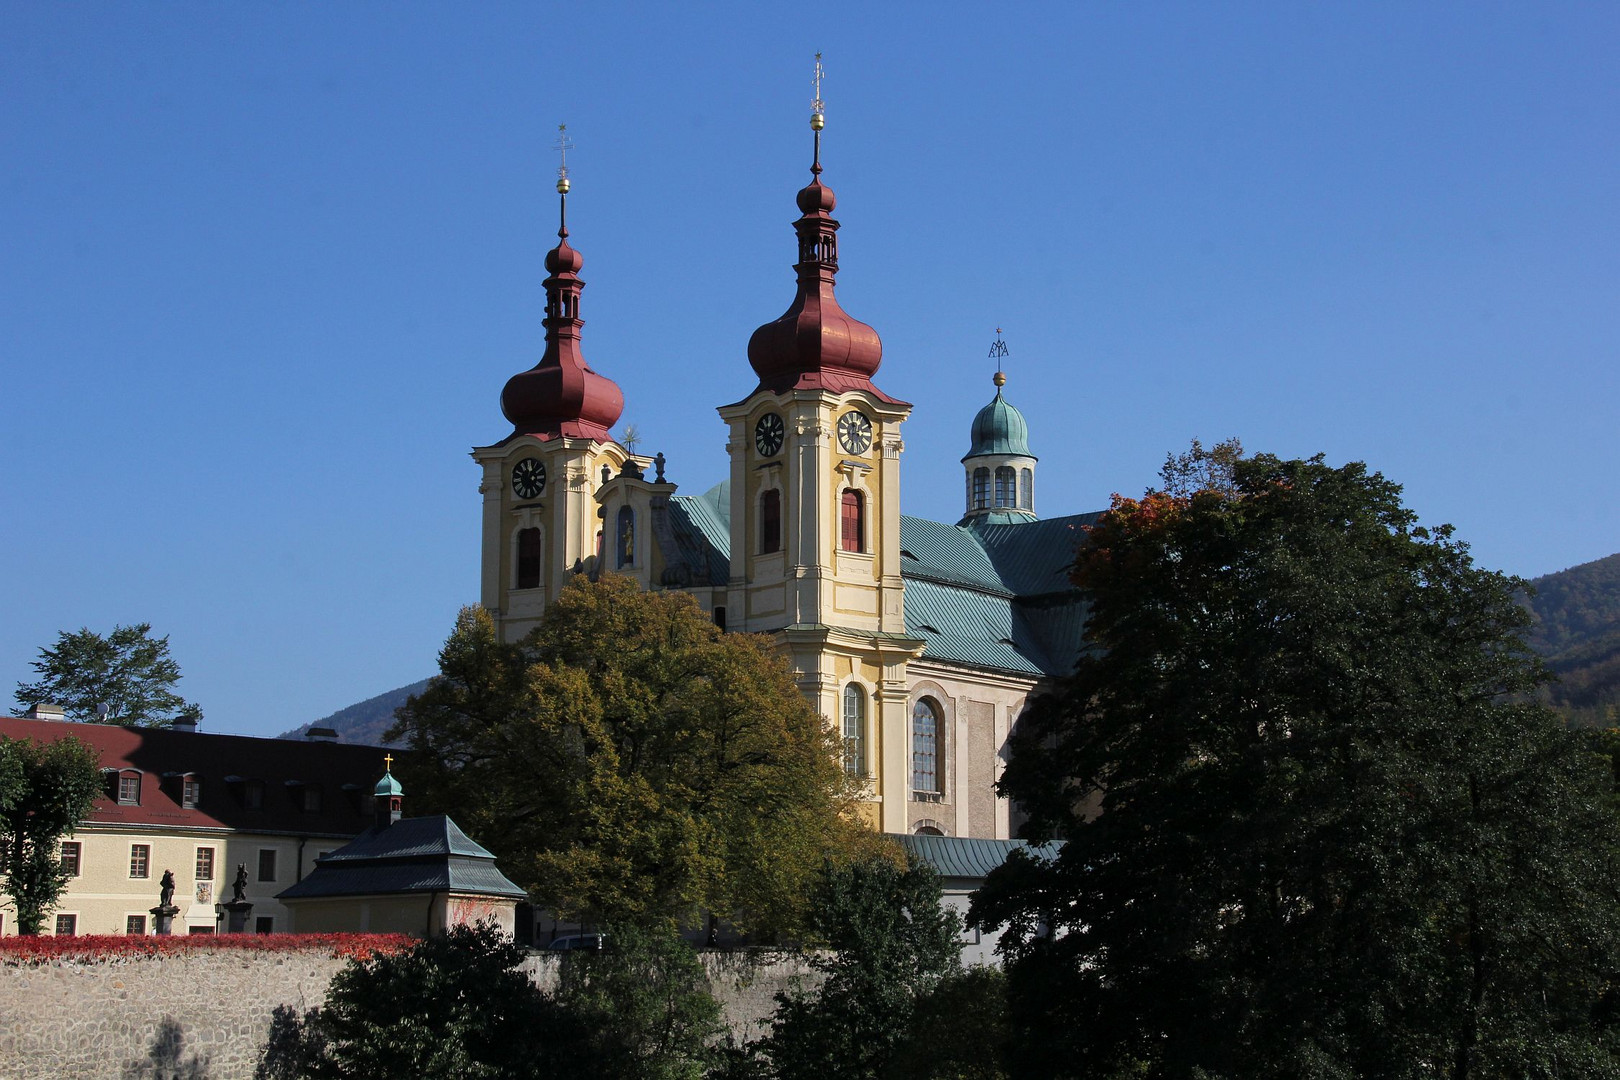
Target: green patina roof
x,y
999,429
388,786
701,525
969,857
986,595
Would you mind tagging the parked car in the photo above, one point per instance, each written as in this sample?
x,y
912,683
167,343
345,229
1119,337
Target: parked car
x,y
570,942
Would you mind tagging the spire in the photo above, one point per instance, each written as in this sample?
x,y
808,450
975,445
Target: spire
x,y
816,344
561,395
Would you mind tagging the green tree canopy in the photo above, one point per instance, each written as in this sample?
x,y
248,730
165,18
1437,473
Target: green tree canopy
x,y
46,789
1315,827
893,945
461,1006
129,671
629,761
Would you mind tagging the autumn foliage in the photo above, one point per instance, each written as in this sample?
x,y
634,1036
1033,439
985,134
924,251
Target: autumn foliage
x,y
101,948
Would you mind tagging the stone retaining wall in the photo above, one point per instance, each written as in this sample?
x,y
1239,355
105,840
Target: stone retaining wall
x,y
205,1015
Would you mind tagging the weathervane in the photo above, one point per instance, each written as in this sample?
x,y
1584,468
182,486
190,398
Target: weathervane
x,y
562,146
818,117
998,351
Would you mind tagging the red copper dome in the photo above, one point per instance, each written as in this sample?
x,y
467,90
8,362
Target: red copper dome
x,y
816,344
561,395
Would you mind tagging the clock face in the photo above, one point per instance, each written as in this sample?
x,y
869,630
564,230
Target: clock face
x,y
768,435
529,478
854,433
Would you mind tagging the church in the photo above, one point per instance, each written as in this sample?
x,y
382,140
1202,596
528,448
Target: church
x,y
919,641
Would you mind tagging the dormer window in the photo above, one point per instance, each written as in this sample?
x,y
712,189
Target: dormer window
x,y
129,788
190,792
310,799
253,795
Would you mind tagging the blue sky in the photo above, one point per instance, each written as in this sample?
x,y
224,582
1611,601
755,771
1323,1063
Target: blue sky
x,y
266,268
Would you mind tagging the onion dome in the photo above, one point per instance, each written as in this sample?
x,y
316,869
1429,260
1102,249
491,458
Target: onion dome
x,y
816,345
561,395
999,428
388,785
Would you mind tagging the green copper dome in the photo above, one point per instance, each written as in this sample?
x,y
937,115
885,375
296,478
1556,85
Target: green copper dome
x,y
388,785
999,429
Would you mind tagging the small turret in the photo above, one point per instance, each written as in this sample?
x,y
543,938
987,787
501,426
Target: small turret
x,y
389,796
1000,468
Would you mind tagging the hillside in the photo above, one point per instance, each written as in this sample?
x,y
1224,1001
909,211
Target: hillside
x,y
1578,632
366,721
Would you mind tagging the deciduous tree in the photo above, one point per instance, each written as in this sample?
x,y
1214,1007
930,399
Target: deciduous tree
x,y
46,789
629,761
1316,827
128,672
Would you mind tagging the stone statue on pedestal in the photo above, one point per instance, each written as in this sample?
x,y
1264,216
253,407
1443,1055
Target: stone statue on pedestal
x,y
239,905
163,915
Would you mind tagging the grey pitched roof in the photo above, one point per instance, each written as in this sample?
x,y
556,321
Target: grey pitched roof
x,y
425,854
1033,557
968,857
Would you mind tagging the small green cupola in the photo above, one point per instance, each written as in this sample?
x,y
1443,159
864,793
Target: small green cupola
x,y
1000,467
999,428
388,796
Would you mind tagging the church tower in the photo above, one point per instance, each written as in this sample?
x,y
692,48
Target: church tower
x,y
541,519
815,510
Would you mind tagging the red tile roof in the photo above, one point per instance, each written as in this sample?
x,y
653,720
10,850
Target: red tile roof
x,y
225,765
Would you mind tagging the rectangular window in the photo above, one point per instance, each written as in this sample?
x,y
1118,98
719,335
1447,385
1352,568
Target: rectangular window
x,y
140,860
129,790
853,522
205,864
71,853
267,864
770,522
67,925
528,559
253,795
135,924
264,924
312,800
191,793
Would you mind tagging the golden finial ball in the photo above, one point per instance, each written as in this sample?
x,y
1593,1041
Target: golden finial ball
x,y
1000,379
817,121
563,185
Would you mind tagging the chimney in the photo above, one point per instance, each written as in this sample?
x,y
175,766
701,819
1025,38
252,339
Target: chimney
x,y
183,723
44,711
321,734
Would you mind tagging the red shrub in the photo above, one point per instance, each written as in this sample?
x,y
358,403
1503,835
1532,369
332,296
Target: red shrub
x,y
99,948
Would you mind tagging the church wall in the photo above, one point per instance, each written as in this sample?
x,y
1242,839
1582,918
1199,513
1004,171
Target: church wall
x,y
978,709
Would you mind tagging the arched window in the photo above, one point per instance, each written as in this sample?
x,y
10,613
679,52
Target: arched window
x,y
854,730
981,488
853,520
1026,497
1006,486
925,747
528,558
929,830
770,522
627,536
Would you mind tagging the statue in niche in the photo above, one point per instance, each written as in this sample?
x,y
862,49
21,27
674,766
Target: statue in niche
x,y
166,890
239,886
